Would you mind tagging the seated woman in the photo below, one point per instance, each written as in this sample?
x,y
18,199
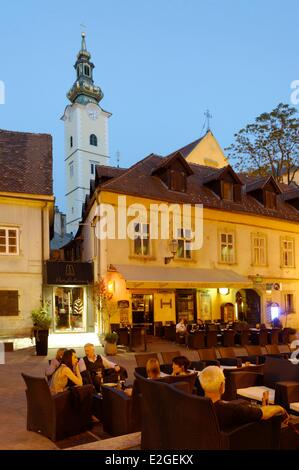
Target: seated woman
x,y
180,365
64,373
55,363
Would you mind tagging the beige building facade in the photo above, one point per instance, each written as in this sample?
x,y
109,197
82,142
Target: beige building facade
x,y
26,213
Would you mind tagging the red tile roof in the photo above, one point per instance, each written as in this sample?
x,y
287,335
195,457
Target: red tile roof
x,y
26,163
138,181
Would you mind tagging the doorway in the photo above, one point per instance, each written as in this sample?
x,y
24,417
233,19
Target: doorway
x,y
186,305
143,311
249,306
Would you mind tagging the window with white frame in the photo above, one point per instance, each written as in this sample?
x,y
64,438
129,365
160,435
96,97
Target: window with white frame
x,y
184,241
259,254
227,248
9,241
141,239
288,256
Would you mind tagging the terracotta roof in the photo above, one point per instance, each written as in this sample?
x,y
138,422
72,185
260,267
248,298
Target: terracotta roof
x,y
167,161
187,149
109,171
138,181
26,163
260,183
217,173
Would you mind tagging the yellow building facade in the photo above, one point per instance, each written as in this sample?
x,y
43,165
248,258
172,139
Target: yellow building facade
x,y
205,285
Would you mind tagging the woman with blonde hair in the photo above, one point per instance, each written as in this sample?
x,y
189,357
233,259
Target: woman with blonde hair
x,y
55,363
153,369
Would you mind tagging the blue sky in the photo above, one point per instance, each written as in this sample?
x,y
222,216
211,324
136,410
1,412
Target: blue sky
x,y
160,64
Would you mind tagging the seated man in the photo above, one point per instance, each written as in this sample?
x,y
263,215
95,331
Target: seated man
x,y
181,327
235,412
95,364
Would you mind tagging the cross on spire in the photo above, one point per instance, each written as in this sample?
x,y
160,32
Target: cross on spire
x,y
208,116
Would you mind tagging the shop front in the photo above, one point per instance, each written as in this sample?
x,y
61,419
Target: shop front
x,y
164,295
68,292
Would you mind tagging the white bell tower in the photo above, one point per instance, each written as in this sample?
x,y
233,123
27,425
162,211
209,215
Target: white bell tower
x,y
85,137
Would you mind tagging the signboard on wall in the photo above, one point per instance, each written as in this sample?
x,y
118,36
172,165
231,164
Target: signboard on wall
x,y
68,273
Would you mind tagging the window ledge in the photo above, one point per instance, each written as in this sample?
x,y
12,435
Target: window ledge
x,y
184,260
142,257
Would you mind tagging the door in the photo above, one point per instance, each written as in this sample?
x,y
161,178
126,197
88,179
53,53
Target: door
x,y
143,311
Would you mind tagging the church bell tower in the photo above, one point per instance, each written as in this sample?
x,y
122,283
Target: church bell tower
x,y
85,136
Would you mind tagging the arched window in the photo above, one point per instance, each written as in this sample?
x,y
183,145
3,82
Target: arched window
x,y
93,140
86,70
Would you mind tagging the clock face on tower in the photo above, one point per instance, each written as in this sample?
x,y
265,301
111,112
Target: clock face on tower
x,y
93,114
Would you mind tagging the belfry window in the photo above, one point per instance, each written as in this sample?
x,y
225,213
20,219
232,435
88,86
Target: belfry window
x,y
87,70
93,140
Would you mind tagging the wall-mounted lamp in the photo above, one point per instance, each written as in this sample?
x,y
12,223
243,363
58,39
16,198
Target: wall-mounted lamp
x,y
223,290
173,248
269,288
110,287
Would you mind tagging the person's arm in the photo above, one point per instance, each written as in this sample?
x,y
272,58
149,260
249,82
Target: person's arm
x,y
82,365
109,364
74,377
272,410
52,367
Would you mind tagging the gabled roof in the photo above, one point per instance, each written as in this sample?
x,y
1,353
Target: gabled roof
x,y
26,163
168,161
218,173
187,149
261,182
290,195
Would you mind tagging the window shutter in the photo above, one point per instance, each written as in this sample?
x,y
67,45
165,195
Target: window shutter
x,y
237,193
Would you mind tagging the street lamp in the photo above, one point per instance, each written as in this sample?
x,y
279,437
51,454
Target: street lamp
x,y
173,248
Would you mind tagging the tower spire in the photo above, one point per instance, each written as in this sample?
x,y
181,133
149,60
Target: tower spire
x,y
83,42
84,90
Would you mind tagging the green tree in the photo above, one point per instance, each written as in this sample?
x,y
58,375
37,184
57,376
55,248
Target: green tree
x,y
269,146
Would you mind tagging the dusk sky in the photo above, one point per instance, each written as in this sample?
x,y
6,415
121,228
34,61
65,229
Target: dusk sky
x,y
160,64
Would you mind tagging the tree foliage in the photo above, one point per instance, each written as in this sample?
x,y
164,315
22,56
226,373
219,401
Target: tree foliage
x,y
106,308
269,146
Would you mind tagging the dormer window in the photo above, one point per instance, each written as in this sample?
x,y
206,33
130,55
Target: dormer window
x,y
265,191
225,183
227,191
178,180
270,200
174,172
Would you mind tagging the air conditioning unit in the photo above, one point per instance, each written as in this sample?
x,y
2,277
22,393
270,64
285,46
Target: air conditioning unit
x,y
277,286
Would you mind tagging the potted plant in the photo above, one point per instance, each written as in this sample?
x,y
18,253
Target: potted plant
x,y
110,348
41,320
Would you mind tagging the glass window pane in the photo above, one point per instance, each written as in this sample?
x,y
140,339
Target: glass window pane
x,y
137,246
146,247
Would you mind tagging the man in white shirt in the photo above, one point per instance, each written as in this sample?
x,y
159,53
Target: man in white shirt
x,y
96,364
181,327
